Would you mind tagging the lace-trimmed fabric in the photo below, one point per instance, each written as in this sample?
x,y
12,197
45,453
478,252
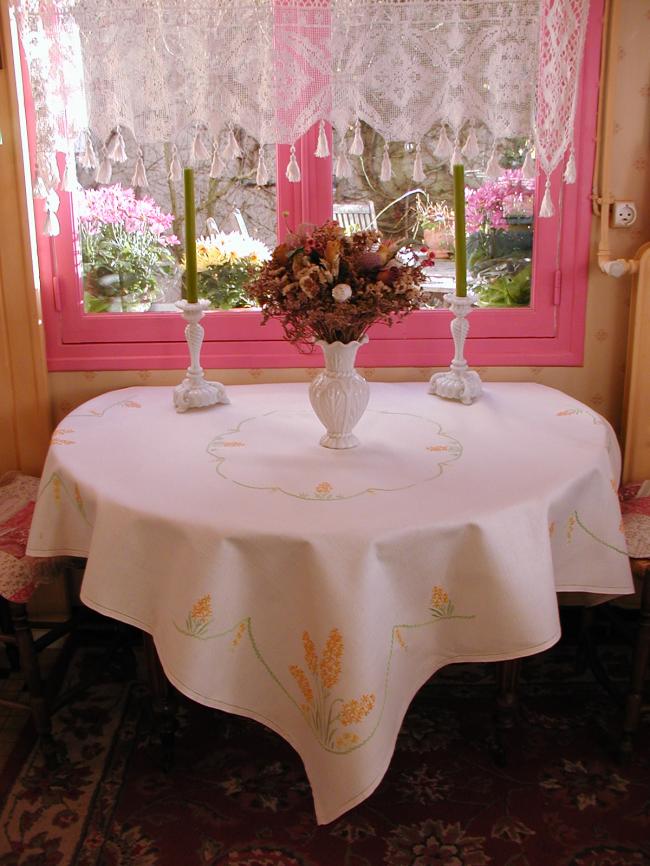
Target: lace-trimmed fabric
x,y
636,519
187,72
19,575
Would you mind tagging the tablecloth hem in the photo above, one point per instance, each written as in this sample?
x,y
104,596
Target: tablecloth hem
x,y
321,815
324,816
39,553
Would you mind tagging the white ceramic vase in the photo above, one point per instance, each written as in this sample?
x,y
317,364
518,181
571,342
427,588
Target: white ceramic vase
x,y
338,394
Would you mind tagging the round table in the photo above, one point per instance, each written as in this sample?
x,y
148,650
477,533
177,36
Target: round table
x,y
316,590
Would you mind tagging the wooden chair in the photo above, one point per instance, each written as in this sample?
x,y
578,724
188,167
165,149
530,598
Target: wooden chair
x,y
634,697
241,223
635,506
212,227
18,581
356,216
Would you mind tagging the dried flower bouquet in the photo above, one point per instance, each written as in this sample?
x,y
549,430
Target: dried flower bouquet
x,y
325,285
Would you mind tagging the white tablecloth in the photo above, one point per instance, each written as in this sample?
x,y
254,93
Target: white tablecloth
x,y
316,590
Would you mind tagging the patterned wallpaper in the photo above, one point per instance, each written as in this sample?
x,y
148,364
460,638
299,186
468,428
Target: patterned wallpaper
x,y
599,382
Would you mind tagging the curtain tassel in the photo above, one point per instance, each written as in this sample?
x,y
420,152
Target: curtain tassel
x,y
89,157
70,182
386,167
115,148
175,167
140,175
493,169
53,176
456,158
51,228
262,175
356,148
40,190
104,170
293,169
199,152
217,167
443,147
342,167
322,147
528,168
471,149
232,150
570,170
418,171
547,209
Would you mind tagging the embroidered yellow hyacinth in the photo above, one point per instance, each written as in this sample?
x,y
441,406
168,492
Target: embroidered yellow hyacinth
x,y
315,684
439,597
200,616
356,710
570,526
310,652
303,683
202,609
330,666
440,604
241,628
346,740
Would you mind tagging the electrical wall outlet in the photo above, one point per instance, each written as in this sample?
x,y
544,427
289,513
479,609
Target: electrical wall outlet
x,y
623,214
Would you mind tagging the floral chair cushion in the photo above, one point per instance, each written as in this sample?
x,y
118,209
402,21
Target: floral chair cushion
x,y
19,575
635,507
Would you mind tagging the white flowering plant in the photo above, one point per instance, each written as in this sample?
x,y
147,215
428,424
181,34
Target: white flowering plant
x,y
226,262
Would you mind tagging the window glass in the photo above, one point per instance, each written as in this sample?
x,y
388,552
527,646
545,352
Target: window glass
x,y
131,239
499,211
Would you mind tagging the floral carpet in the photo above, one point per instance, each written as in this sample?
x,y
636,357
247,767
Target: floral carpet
x,y
238,795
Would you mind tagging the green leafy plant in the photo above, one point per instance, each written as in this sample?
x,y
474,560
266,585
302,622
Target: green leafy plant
x,y
504,283
124,248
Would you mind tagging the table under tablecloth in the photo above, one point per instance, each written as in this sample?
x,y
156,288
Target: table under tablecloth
x,y
316,590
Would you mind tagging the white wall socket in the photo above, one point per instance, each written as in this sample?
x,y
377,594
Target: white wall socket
x,y
623,214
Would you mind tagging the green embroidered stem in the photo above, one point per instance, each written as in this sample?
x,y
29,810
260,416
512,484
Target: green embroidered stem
x,y
320,718
595,537
275,679
197,633
98,414
386,679
77,502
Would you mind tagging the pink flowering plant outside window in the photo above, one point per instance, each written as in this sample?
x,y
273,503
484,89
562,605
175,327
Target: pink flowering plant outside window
x,y
126,249
499,217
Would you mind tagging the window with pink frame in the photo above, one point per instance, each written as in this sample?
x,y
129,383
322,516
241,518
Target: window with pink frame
x,y
547,332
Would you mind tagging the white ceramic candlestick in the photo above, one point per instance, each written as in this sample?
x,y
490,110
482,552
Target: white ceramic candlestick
x,y
459,382
195,391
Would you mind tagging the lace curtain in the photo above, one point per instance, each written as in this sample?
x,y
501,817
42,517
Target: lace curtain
x,y
109,78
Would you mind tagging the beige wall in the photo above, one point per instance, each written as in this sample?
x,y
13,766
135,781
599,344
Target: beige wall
x,y
599,382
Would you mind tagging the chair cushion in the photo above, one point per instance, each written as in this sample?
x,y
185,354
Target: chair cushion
x,y
635,507
18,576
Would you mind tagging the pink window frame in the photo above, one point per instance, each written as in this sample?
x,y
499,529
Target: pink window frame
x,y
549,333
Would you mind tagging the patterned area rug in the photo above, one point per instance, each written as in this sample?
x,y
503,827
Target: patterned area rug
x,y
238,795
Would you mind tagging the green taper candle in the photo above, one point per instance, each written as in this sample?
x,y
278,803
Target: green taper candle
x,y
461,242
190,238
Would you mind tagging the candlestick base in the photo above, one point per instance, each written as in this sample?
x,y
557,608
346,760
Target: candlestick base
x,y
195,392
459,382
